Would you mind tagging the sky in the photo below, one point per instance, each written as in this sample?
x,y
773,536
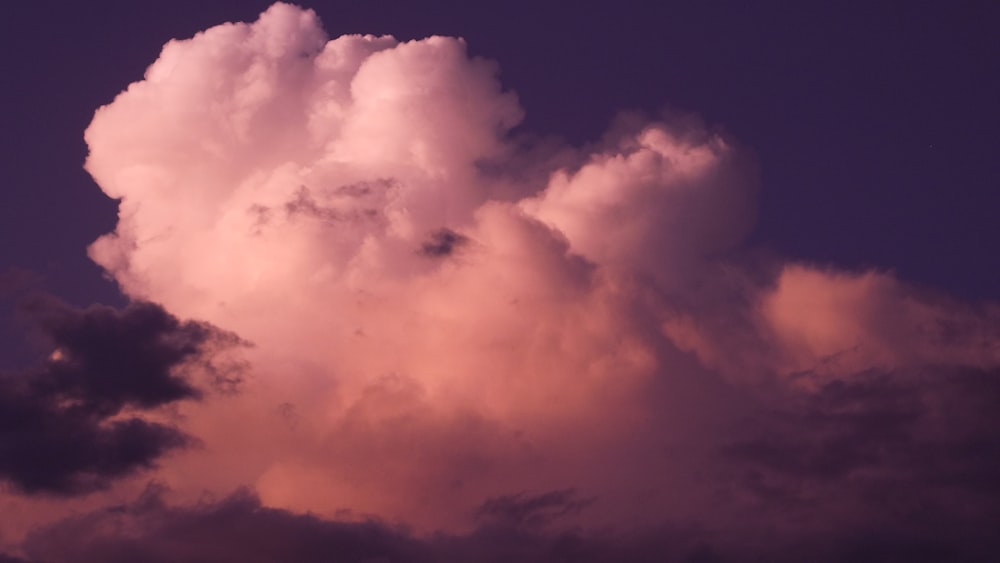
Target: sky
x,y
385,281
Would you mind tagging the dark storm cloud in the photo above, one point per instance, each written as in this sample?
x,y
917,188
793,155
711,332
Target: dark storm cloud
x,y
65,426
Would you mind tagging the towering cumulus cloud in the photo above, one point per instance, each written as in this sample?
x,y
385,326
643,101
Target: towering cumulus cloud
x,y
447,340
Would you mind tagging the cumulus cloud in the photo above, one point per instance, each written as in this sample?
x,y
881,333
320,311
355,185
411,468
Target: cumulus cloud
x,y
514,347
339,204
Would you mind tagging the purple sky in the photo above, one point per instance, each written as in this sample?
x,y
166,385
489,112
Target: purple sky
x,y
427,330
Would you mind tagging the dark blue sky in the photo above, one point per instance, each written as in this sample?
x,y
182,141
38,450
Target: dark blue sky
x,y
876,125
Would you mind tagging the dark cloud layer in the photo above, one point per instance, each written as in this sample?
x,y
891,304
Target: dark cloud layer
x,y
899,466
927,429
240,529
235,529
73,424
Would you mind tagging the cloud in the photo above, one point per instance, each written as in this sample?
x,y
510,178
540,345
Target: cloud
x,y
662,196
239,528
810,325
898,465
930,430
73,424
323,175
234,529
537,354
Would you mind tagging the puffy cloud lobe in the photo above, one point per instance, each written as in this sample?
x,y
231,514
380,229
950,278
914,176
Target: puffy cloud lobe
x,y
871,320
657,201
379,134
812,325
71,425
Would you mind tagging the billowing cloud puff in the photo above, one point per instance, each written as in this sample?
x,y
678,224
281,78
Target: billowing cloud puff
x,y
857,321
652,204
333,202
447,339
